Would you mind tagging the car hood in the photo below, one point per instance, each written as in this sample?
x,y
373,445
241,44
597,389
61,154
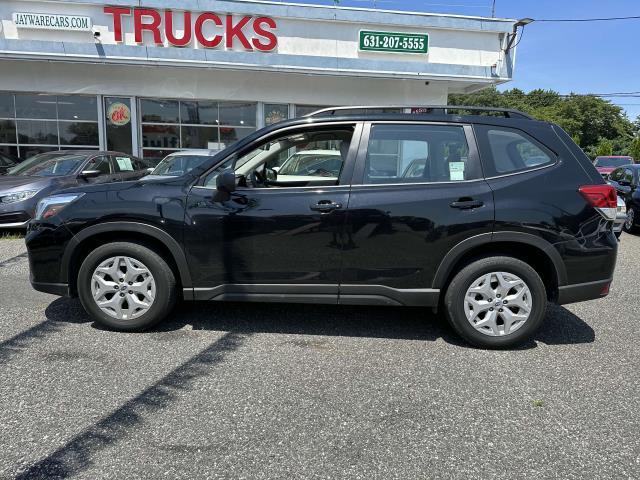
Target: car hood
x,y
11,183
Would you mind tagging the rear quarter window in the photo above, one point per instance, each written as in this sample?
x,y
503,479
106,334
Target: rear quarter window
x,y
508,150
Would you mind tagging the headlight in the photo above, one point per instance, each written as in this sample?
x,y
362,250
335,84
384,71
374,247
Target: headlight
x,y
17,196
50,206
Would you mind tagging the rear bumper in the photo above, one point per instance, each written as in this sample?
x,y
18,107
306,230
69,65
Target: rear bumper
x,y
580,292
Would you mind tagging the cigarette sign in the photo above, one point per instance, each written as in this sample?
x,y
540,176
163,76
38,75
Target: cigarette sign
x,y
47,21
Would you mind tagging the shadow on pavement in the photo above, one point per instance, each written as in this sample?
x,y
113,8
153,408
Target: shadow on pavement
x,y
560,327
77,454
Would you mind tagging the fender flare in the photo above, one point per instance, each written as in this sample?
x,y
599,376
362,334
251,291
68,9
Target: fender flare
x,y
157,233
457,252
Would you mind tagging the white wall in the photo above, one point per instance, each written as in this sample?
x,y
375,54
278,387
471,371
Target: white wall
x,y
176,82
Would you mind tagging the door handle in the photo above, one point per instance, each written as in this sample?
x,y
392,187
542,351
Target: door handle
x,y
325,206
466,204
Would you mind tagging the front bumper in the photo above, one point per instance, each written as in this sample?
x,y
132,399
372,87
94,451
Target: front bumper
x,y
17,219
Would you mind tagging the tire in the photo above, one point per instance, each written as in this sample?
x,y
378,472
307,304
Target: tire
x,y
617,234
155,297
456,307
630,225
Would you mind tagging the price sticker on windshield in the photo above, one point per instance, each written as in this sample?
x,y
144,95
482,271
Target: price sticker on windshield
x,y
399,42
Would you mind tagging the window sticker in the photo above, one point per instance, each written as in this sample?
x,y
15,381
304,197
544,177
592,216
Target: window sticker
x,y
456,171
124,164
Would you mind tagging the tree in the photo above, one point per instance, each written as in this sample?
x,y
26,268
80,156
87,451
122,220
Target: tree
x,y
604,148
586,118
634,148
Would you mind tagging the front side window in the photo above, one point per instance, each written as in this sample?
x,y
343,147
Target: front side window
x,y
507,150
418,154
304,158
616,175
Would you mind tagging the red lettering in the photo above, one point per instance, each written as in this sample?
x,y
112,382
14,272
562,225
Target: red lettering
x,y
117,13
270,37
168,29
205,42
236,31
153,27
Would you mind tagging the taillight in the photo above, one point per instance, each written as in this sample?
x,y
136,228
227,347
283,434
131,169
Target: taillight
x,y
603,198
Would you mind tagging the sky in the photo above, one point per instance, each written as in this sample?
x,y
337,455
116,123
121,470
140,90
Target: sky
x,y
590,57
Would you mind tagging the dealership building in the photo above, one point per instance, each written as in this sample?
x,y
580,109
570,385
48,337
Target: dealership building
x,y
152,76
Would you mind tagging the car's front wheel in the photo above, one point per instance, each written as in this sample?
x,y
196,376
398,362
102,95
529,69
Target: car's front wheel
x,y
496,302
126,286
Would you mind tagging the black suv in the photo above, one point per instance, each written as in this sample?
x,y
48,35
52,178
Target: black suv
x,y
488,217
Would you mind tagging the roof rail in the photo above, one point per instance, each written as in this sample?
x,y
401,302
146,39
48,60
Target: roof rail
x,y
429,110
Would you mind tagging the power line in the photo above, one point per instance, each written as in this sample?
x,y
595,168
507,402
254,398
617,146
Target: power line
x,y
607,19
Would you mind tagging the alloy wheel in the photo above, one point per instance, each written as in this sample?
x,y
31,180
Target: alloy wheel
x,y
123,287
628,224
498,303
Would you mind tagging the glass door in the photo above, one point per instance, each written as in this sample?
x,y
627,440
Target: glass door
x,y
119,124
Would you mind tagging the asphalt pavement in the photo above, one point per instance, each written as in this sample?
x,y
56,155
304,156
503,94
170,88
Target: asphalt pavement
x,y
263,391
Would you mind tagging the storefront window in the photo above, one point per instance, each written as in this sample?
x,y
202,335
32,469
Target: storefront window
x,y
32,123
72,107
170,125
302,110
199,113
7,109
275,112
38,132
160,111
78,133
7,131
117,111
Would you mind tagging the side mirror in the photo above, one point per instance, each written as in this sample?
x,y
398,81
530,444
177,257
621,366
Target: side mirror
x,y
86,174
276,169
225,184
150,169
625,183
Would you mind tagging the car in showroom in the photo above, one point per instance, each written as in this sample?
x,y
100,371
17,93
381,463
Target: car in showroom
x,y
607,164
46,173
507,214
179,163
626,181
6,163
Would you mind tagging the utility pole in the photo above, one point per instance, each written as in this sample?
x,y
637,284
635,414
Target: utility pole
x,y
493,9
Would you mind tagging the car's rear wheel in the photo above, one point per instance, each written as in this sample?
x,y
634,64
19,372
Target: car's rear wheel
x,y
126,286
630,223
496,302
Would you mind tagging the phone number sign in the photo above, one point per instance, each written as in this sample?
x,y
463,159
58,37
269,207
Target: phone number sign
x,y
371,41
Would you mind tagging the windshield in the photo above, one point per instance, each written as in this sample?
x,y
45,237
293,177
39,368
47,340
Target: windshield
x,y
613,161
177,165
46,165
312,164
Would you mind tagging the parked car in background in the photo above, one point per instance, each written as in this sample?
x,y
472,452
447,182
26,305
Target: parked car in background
x,y
6,163
621,217
46,173
606,165
625,180
178,163
508,215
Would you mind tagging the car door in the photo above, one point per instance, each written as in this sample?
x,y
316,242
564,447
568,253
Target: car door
x,y
128,167
103,164
417,192
270,240
623,182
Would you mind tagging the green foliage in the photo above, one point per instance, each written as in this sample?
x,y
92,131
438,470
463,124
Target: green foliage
x,y
590,121
604,148
634,148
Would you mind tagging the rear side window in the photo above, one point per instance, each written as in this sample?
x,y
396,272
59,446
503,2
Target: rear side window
x,y
616,175
507,150
418,153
